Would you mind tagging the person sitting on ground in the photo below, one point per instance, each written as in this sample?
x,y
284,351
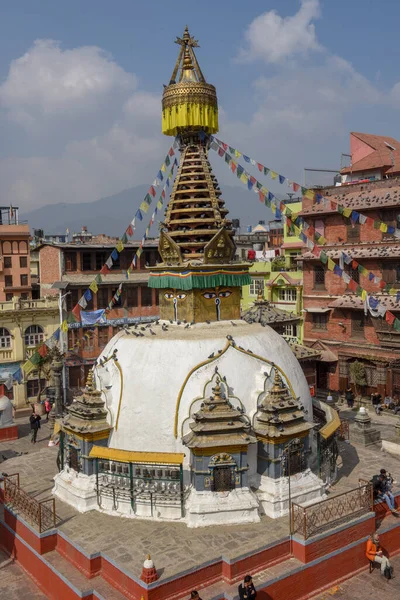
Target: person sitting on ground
x,y
396,405
388,402
194,595
374,553
247,591
349,397
382,493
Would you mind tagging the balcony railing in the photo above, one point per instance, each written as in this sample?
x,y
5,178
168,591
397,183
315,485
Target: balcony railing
x,y
40,514
312,520
39,304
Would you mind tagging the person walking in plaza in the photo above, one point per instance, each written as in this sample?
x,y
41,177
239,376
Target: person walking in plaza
x,y
34,420
374,553
194,595
47,408
246,590
382,492
349,397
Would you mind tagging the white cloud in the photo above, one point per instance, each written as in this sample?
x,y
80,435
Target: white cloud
x,y
273,39
62,86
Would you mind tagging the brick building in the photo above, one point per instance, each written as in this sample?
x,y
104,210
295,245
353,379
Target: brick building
x,y
70,268
335,319
15,278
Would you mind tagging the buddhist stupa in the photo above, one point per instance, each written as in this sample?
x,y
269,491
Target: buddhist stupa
x,y
182,394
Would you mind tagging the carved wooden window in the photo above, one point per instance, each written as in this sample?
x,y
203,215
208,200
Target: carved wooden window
x,y
131,296
102,297
320,320
147,296
86,261
353,232
319,277
357,325
100,260
70,261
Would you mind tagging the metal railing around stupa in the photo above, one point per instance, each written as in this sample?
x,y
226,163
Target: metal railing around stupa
x,y
326,514
39,513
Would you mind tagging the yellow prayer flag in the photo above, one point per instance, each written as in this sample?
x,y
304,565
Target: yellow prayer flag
x,y
120,246
64,326
164,168
28,367
159,204
309,194
321,240
238,154
139,252
273,174
144,207
264,190
364,295
393,291
94,287
383,227
244,178
331,264
347,212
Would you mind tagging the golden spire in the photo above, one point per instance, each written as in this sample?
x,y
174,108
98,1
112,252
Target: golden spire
x,y
189,103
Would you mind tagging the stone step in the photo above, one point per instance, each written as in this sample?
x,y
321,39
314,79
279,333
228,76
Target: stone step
x,y
222,590
80,581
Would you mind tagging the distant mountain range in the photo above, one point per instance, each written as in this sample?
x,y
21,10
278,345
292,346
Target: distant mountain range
x,y
113,214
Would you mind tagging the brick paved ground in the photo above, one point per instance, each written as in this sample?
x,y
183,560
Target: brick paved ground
x,y
173,546
366,586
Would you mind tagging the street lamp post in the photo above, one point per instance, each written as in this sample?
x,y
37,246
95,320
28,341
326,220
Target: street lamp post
x,y
61,298
285,458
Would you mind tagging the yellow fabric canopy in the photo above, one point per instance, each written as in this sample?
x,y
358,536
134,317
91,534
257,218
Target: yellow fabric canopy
x,y
157,458
189,115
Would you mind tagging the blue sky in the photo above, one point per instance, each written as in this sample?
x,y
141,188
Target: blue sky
x,y
81,83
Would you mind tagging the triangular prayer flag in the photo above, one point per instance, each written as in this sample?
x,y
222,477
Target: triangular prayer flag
x,y
104,269
281,178
171,152
120,246
383,227
389,317
76,311
43,350
296,187
273,174
82,302
64,326
396,324
260,167
124,238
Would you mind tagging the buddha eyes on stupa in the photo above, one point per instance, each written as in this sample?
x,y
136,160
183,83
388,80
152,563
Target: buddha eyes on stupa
x,y
181,296
224,294
209,295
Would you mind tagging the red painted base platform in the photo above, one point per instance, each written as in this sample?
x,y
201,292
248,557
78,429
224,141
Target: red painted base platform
x,y
301,568
8,433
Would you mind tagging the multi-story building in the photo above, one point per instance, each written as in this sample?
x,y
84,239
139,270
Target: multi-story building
x,y
373,157
69,269
24,324
279,280
15,278
337,321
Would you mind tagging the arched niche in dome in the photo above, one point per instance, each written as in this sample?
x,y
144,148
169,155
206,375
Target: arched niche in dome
x,y
207,392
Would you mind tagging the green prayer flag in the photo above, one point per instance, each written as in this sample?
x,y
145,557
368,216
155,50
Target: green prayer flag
x,y
98,278
359,290
231,150
377,225
124,238
266,171
167,160
35,358
396,324
323,257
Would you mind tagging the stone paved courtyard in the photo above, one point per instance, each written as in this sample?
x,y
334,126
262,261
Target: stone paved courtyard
x,y
173,546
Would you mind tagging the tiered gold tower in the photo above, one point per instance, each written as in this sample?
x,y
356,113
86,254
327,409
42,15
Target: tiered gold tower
x,y
198,276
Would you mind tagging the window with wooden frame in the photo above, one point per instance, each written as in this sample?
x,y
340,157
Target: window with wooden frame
x,y
70,261
8,280
319,320
23,262
7,262
353,231
131,296
34,335
32,387
319,277
391,273
5,338
100,260
24,280
147,296
103,336
358,325
103,297
86,261
72,299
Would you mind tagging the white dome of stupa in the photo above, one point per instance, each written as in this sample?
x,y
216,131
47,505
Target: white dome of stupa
x,y
150,390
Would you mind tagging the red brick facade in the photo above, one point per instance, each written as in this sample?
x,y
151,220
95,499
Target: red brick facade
x,y
75,266
335,318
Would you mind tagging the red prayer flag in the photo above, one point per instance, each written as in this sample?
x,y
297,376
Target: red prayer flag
x,y
225,146
104,269
43,350
354,264
221,151
369,222
76,311
316,251
382,285
163,194
152,191
352,285
253,179
389,317
261,196
233,166
296,187
260,167
171,152
129,230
